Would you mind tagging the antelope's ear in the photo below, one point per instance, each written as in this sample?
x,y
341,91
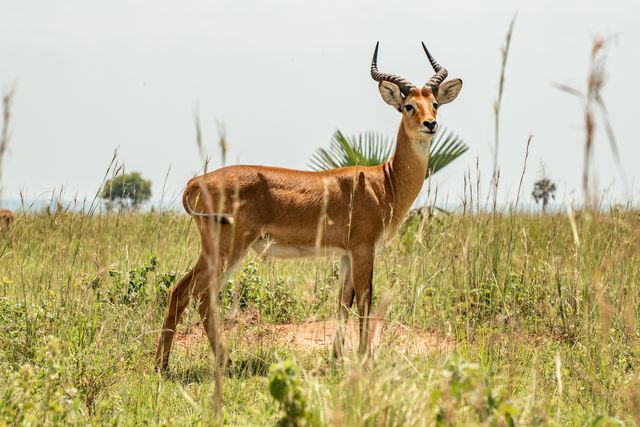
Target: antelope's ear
x,y
448,91
391,94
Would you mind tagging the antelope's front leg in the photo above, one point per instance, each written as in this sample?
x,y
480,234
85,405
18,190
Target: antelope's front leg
x,y
345,300
362,271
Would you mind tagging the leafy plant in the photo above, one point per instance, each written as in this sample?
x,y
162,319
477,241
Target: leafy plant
x,y
22,325
466,386
163,283
285,387
39,394
277,302
246,288
370,149
130,289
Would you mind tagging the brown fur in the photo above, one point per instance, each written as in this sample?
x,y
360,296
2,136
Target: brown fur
x,y
6,218
282,208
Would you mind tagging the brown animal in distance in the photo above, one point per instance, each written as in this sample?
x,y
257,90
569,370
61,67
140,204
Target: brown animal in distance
x,y
278,212
6,218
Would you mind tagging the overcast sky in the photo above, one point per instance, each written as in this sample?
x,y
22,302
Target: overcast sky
x,y
283,75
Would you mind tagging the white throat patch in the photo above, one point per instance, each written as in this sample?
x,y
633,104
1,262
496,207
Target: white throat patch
x,y
422,147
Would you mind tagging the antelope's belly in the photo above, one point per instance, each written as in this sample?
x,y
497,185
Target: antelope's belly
x,y
271,248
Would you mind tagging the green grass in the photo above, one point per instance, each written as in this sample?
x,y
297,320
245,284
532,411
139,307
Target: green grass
x,y
520,297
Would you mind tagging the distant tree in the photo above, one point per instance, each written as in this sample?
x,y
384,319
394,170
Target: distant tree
x,y
543,189
128,189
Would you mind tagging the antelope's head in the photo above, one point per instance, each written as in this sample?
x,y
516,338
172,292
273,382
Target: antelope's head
x,y
419,106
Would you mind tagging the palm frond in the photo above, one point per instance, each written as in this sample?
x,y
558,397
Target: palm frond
x,y
371,148
445,148
365,149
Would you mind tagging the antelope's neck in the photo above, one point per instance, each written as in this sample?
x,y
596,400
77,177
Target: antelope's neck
x,y
405,173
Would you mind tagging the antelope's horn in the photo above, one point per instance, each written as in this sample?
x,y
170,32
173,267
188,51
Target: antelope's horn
x,y
404,85
439,76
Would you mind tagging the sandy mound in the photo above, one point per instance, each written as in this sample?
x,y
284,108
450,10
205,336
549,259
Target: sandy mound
x,y
318,335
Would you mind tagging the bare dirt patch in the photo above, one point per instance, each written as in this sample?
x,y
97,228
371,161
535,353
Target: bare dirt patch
x,y
319,335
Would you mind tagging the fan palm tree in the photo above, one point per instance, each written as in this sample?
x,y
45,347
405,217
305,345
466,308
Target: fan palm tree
x,y
543,190
370,148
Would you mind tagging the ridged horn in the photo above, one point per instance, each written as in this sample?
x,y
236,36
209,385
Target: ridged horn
x,y
404,85
439,76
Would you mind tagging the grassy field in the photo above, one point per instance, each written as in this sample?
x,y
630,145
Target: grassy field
x,y
522,319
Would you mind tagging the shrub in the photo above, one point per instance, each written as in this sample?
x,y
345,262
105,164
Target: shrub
x,y
132,288
285,388
38,394
276,302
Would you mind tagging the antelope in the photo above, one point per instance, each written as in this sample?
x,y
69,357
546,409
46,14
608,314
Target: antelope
x,y
278,212
6,218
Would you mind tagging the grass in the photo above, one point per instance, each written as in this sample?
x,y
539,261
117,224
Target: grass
x,y
541,323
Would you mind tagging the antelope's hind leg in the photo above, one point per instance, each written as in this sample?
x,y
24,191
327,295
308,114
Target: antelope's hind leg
x,y
179,297
231,249
198,282
204,303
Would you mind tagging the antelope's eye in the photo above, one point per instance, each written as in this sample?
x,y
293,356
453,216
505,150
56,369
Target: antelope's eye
x,y
435,105
408,108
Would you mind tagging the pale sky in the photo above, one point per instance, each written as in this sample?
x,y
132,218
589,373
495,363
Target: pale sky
x,y
283,75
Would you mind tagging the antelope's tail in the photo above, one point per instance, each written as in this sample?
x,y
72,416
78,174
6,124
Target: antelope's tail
x,y
220,218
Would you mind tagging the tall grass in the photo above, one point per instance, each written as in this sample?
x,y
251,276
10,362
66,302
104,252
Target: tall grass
x,y
81,299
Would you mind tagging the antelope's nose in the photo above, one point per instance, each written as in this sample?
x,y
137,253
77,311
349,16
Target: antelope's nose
x,y
430,125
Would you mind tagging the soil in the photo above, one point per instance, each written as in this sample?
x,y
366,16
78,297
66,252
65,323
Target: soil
x,y
312,336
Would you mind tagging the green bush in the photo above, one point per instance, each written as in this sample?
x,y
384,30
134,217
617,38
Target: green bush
x,y
285,387
22,326
39,395
465,387
132,288
276,301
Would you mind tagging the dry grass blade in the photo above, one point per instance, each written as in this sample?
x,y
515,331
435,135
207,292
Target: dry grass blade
x,y
611,136
568,89
222,142
524,169
558,374
204,157
7,101
592,99
114,168
498,103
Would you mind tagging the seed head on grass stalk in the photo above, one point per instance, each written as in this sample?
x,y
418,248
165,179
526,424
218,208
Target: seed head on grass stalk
x,y
222,142
497,106
204,157
592,100
7,101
